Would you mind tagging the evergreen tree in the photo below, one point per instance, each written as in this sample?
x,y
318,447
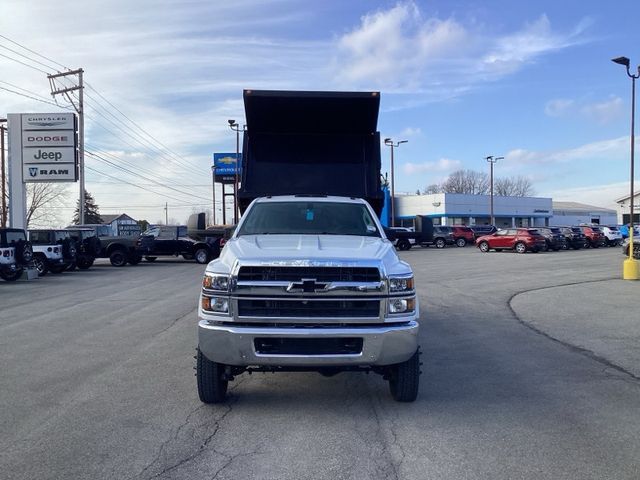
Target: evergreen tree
x,y
91,210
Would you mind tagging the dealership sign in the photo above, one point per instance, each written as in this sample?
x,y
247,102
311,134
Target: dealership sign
x,y
226,167
48,147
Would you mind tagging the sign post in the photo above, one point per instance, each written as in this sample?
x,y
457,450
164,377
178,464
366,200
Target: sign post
x,y
226,167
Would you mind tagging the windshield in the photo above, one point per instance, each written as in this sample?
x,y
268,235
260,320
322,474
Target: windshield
x,y
61,235
309,218
13,237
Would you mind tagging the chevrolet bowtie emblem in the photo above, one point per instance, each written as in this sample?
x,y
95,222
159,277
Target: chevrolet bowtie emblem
x,y
306,285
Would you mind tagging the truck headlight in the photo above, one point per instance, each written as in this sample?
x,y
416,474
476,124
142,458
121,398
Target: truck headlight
x,y
215,304
212,281
402,305
400,284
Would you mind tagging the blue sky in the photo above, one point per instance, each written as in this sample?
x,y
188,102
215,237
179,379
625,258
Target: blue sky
x,y
460,80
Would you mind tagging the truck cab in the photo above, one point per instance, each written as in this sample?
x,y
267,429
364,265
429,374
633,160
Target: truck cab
x,y
175,240
309,281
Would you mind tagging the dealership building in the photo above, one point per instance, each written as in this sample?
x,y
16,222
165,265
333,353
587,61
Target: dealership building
x,y
624,210
463,209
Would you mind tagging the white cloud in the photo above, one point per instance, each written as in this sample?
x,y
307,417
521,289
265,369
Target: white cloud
x,y
400,50
411,132
602,195
602,149
439,166
558,107
605,112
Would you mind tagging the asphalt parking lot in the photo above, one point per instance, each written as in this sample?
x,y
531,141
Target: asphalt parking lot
x,y
530,372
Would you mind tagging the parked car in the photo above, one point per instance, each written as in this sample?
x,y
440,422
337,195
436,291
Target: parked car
x,y
480,230
636,248
442,236
174,240
400,241
594,236
574,236
613,235
15,253
120,250
462,235
53,250
554,238
519,239
87,247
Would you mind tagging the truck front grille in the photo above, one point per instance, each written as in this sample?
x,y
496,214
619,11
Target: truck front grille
x,y
320,274
308,308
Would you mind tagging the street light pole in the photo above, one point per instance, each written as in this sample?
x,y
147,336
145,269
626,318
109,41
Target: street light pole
x,y
213,197
390,143
630,268
236,128
491,159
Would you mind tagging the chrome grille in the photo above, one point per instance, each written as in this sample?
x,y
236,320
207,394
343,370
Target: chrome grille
x,y
296,274
308,308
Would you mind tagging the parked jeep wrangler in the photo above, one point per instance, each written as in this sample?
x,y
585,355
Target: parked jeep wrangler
x,y
15,253
120,250
175,240
53,250
87,247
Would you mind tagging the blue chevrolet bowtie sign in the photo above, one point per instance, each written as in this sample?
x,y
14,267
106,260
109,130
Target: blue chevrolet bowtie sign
x,y
225,163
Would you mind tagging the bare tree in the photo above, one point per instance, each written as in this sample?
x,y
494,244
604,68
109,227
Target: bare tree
x,y
43,203
469,182
433,188
513,187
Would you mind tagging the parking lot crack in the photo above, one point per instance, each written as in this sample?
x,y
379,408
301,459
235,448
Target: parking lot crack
x,y
590,354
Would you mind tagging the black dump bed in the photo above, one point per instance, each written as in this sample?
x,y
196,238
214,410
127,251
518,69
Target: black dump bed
x,y
314,143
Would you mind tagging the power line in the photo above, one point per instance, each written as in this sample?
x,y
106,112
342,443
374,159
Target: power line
x,y
27,57
34,52
25,64
31,97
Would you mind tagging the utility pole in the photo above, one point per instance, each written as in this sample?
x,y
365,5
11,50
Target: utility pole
x,y
213,197
79,107
4,179
491,159
166,213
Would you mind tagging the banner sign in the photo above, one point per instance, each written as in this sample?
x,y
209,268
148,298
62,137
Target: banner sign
x,y
226,164
49,154
49,172
48,121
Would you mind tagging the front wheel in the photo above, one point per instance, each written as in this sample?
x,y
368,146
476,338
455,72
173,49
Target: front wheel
x,y
440,243
404,379
11,276
520,247
404,244
118,258
41,265
212,387
484,247
461,242
201,255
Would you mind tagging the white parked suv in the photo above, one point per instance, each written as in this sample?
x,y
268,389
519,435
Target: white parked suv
x,y
613,235
53,250
15,253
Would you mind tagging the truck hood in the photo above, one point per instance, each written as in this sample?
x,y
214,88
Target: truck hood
x,y
305,249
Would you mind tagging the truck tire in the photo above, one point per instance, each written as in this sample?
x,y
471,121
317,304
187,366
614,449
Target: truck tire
x,y
150,259
118,258
85,263
134,259
40,262
404,379
404,244
11,276
440,243
201,255
212,387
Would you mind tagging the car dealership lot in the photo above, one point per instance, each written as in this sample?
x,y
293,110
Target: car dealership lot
x,y
97,380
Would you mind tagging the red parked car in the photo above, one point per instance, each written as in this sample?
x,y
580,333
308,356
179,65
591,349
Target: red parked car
x,y
462,235
594,236
519,239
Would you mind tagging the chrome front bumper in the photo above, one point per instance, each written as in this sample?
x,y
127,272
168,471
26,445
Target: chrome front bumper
x,y
231,344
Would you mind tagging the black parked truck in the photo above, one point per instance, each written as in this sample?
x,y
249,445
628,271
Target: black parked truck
x,y
175,240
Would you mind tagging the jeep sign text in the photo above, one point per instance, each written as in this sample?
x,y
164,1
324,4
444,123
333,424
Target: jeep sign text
x,y
49,154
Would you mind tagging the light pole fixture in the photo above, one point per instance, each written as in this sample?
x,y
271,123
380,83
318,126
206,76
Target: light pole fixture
x,y
630,268
390,143
236,128
492,159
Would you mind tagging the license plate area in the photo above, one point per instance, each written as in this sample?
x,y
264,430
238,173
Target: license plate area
x,y
308,346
